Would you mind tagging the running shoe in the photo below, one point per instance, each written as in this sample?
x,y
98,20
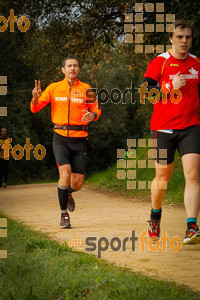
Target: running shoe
x,y
4,185
153,229
70,203
192,236
65,221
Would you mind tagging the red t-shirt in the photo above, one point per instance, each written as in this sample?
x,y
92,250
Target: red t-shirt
x,y
185,113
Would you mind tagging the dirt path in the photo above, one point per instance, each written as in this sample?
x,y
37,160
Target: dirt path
x,y
99,216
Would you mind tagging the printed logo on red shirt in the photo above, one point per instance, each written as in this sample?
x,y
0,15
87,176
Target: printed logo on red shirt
x,y
193,71
193,75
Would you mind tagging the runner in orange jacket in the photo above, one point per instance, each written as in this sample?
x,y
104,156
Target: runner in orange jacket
x,y
73,106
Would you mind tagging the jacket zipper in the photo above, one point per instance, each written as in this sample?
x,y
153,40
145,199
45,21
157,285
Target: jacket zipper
x,y
69,105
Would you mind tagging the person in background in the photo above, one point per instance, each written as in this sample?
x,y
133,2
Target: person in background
x,y
4,161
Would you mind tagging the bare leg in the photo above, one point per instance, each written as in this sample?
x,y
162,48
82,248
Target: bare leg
x,y
77,181
191,166
159,184
64,175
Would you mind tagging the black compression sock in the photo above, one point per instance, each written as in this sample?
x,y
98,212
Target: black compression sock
x,y
156,214
63,196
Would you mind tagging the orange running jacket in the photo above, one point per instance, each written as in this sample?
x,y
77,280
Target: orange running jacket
x,y
68,104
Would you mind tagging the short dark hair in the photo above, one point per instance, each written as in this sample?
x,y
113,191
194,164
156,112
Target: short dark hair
x,y
182,24
69,57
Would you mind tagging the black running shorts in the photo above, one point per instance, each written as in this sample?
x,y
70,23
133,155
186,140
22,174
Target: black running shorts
x,y
70,151
184,140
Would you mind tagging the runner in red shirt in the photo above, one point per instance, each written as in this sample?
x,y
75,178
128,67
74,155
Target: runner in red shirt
x,y
175,125
73,106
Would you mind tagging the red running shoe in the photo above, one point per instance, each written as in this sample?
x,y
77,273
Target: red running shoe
x,y
153,229
65,221
192,236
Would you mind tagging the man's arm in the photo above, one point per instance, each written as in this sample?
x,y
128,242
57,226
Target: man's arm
x,y
177,83
152,83
91,115
36,92
94,109
88,116
40,99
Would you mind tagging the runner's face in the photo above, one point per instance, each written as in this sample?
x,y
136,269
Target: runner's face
x,y
181,41
3,132
71,69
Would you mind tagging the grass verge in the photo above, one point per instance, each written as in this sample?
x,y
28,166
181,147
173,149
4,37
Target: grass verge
x,y
39,268
108,179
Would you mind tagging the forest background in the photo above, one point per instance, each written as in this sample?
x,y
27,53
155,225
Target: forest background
x,y
94,32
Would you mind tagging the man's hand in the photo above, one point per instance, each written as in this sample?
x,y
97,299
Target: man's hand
x,y
36,92
88,116
178,81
